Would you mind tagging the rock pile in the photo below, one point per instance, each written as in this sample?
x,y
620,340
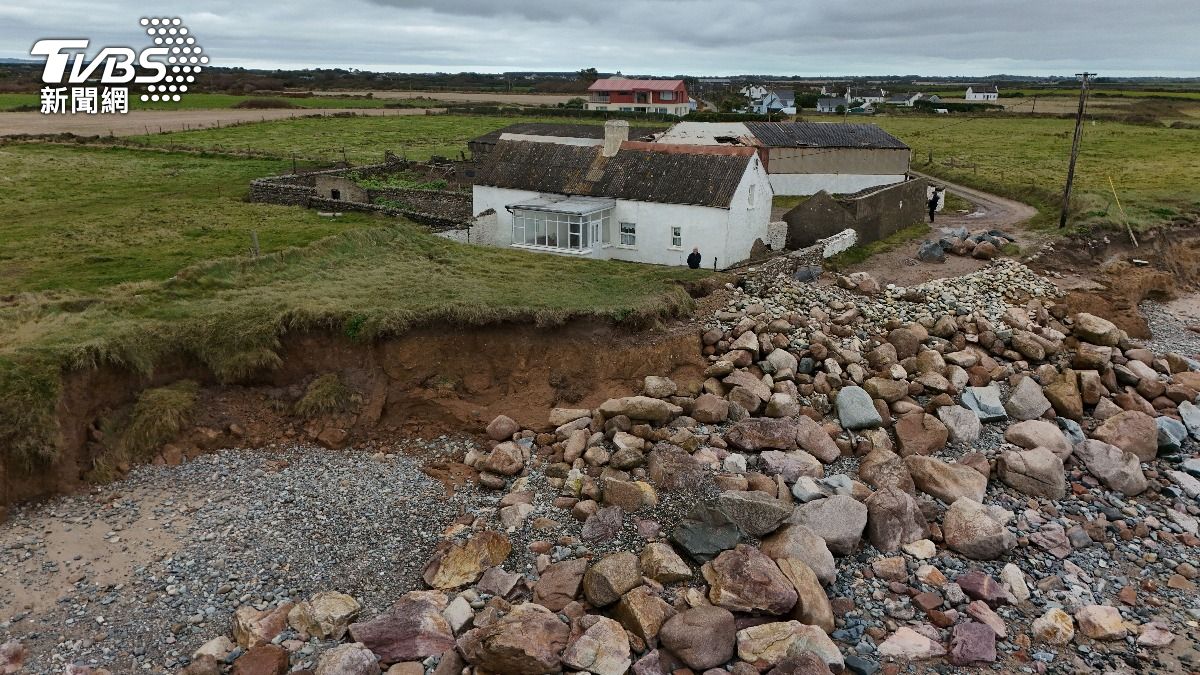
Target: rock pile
x,y
983,245
867,475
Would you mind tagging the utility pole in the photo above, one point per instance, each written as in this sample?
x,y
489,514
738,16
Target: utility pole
x,y
1083,95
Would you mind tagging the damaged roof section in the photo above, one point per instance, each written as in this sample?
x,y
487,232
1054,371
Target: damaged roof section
x,y
638,172
819,135
594,131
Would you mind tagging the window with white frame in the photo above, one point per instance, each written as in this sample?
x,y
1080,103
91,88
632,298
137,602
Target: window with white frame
x,y
628,234
676,236
667,96
568,231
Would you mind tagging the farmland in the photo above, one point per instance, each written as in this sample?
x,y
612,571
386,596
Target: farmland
x,y
201,101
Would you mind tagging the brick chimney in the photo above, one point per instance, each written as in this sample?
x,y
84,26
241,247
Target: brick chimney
x,y
616,132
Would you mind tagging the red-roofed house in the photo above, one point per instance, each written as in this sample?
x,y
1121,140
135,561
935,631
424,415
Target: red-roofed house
x,y
667,97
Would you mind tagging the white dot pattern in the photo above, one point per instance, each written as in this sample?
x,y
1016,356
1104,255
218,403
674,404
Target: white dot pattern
x,y
183,55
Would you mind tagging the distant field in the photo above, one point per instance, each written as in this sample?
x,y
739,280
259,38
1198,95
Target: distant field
x,y
200,101
1154,168
87,218
364,138
461,96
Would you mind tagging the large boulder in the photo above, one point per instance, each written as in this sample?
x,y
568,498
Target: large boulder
x,y
947,482
790,465
1093,329
528,640
559,584
757,434
1132,431
882,468
702,637
856,410
704,533
839,520
812,604
325,615
348,659
985,403
411,630
745,580
962,424
1037,472
661,563
642,408
1026,401
920,434
1032,434
710,409
976,531
811,438
502,428
894,519
598,645
755,513
611,577
656,386
457,564
797,541
766,645
1119,470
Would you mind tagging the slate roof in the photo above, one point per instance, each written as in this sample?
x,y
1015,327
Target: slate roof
x,y
819,135
595,131
984,89
645,172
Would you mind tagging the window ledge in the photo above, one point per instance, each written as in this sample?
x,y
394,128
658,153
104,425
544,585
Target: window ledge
x,y
628,247
674,248
553,249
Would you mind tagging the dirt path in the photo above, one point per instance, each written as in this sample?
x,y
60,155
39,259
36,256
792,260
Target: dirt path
x,y
900,266
139,122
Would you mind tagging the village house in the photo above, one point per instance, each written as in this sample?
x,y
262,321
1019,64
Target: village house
x,y
622,199
803,158
832,104
667,97
982,92
867,95
777,101
905,100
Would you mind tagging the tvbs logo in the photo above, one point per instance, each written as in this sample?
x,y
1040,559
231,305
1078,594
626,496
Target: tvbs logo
x,y
166,69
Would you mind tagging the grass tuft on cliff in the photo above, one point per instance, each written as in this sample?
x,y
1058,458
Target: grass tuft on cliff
x,y
325,395
157,416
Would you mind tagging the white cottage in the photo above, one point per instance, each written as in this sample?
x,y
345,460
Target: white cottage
x,y
982,92
623,200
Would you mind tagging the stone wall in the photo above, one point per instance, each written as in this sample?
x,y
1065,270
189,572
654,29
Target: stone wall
x,y
453,205
809,256
874,213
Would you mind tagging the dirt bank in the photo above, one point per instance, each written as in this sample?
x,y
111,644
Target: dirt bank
x,y
427,382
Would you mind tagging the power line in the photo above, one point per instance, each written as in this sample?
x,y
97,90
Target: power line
x,y
1083,96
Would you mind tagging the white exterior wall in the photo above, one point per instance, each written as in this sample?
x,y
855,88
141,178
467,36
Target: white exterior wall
x,y
726,234
833,183
679,109
980,96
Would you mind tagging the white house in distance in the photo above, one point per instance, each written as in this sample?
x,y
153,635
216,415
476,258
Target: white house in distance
x,y
622,94
982,92
830,104
868,95
803,158
624,200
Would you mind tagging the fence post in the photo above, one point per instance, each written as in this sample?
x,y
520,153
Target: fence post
x,y
254,243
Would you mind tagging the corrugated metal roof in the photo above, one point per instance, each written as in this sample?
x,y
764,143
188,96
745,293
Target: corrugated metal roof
x,y
594,131
634,173
819,135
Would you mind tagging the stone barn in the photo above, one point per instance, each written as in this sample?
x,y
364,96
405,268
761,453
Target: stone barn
x,y
874,213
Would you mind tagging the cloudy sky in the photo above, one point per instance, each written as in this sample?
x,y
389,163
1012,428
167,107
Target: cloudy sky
x,y
664,37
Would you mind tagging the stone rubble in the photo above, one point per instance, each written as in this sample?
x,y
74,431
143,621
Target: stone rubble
x,y
862,478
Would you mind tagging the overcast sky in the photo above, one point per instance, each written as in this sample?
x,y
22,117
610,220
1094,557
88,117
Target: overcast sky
x,y
662,37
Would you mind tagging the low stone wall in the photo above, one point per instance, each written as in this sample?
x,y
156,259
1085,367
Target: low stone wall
x,y
809,256
874,213
453,205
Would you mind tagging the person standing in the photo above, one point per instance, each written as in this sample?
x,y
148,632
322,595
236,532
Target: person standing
x,y
933,203
693,259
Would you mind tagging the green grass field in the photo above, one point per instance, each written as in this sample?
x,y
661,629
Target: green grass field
x,y
363,138
124,256
1154,168
201,101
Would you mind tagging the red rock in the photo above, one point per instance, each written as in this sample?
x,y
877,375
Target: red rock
x,y
265,659
529,639
972,644
978,585
411,630
559,584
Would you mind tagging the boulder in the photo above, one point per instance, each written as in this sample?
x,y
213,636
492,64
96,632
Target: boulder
x,y
766,645
598,645
790,465
506,459
1032,434
1093,329
642,612
1119,470
976,531
882,468
947,482
755,513
799,542
529,639
745,580
856,410
659,387
962,424
561,416
457,564
348,659
920,434
985,403
642,408
757,434
702,637
782,405
1054,627
886,388
611,577
1132,431
909,645
252,627
411,630
1026,401
894,519
1101,622
1065,397
812,604
559,584
972,644
265,659
811,438
602,525
704,533
710,409
502,428
1037,473
839,520
661,563
325,615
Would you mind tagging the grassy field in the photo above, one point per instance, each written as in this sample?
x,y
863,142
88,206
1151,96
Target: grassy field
x,y
200,101
363,138
1154,168
85,218
120,256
